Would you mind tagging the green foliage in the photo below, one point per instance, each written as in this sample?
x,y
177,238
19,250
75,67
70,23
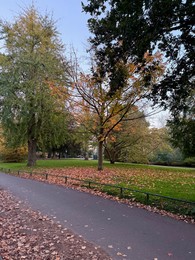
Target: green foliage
x,y
124,30
162,151
33,71
141,144
182,133
190,161
167,157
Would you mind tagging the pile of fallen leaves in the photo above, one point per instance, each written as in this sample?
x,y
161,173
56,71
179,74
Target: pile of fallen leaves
x,y
26,234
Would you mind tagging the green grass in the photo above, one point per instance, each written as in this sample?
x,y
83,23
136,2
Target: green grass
x,y
89,163
173,182
51,164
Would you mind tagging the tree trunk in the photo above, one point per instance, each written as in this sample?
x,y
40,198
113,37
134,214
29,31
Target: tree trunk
x,y
100,156
32,145
86,156
110,155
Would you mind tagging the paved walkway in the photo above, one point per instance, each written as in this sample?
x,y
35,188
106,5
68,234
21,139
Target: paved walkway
x,y
117,228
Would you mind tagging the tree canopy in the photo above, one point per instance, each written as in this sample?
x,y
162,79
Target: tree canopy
x,y
182,132
124,30
33,73
100,112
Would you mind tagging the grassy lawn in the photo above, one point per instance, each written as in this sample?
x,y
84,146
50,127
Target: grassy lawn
x,y
90,163
51,164
167,181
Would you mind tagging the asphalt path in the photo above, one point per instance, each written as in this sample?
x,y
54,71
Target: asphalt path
x,y
118,228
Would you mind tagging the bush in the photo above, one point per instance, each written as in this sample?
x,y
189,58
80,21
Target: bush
x,y
190,161
13,154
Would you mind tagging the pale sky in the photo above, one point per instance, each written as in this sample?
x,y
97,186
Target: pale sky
x,y
71,21
71,24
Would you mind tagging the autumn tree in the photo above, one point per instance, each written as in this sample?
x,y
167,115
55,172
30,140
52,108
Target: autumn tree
x,y
127,142
124,30
136,142
33,73
104,111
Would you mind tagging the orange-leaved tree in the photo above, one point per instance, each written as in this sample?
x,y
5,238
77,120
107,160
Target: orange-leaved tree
x,y
101,111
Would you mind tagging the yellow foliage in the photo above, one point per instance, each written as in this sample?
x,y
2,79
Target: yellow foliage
x,y
18,154
8,154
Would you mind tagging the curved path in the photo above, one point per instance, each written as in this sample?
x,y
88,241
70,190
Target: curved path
x,y
124,232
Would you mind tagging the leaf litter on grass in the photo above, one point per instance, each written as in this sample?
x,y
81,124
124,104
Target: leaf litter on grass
x,y
144,179
149,180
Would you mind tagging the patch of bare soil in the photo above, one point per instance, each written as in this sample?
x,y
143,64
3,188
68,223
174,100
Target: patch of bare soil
x,y
26,234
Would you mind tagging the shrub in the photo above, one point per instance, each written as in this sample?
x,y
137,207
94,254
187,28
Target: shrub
x,y
18,154
190,161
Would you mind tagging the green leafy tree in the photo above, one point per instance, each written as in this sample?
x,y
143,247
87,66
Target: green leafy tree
x,y
75,143
33,71
84,137
159,148
123,31
182,133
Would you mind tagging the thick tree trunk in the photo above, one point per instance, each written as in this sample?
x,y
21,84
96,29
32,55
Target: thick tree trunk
x,y
100,156
32,145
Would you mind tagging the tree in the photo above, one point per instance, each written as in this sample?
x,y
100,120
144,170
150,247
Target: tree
x,y
68,145
182,132
124,30
136,142
127,142
33,73
159,148
84,137
161,151
104,112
